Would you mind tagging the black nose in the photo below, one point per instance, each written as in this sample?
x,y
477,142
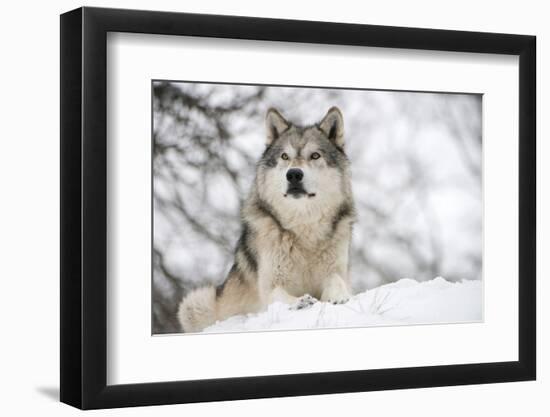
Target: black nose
x,y
294,175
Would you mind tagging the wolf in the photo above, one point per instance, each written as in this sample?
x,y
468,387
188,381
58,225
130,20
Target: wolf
x,y
296,227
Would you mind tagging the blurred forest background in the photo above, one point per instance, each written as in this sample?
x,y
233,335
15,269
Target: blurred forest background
x,y
416,171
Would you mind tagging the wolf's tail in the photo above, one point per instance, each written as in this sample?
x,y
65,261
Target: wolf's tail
x,y
198,309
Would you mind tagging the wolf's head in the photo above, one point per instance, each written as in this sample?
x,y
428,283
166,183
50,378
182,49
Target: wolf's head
x,y
304,169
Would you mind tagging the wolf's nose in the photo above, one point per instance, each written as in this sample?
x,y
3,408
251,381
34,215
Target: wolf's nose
x,y
294,175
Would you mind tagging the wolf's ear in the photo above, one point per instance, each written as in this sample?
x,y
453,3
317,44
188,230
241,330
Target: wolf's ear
x,y
333,126
275,124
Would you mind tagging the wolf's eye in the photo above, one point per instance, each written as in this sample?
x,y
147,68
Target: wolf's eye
x,y
284,156
315,155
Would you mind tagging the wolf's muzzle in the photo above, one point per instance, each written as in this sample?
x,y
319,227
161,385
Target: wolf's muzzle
x,y
294,177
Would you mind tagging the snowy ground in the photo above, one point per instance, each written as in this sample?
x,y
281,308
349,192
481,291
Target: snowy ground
x,y
403,302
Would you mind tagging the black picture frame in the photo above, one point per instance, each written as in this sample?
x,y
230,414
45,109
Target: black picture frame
x,y
84,207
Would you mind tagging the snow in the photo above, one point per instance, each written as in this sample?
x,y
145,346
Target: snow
x,y
400,303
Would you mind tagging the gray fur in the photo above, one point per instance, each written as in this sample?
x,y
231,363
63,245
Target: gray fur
x,y
245,246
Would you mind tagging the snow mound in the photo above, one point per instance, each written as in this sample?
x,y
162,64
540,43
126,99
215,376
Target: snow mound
x,y
403,302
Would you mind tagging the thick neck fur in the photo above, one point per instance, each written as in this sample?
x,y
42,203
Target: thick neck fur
x,y
311,221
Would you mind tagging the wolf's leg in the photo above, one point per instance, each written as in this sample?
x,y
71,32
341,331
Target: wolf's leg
x,y
275,272
336,290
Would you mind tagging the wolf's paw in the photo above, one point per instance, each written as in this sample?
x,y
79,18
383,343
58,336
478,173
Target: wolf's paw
x,y
338,300
304,301
336,291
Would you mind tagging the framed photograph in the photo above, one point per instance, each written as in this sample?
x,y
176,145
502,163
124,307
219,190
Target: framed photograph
x,y
257,208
